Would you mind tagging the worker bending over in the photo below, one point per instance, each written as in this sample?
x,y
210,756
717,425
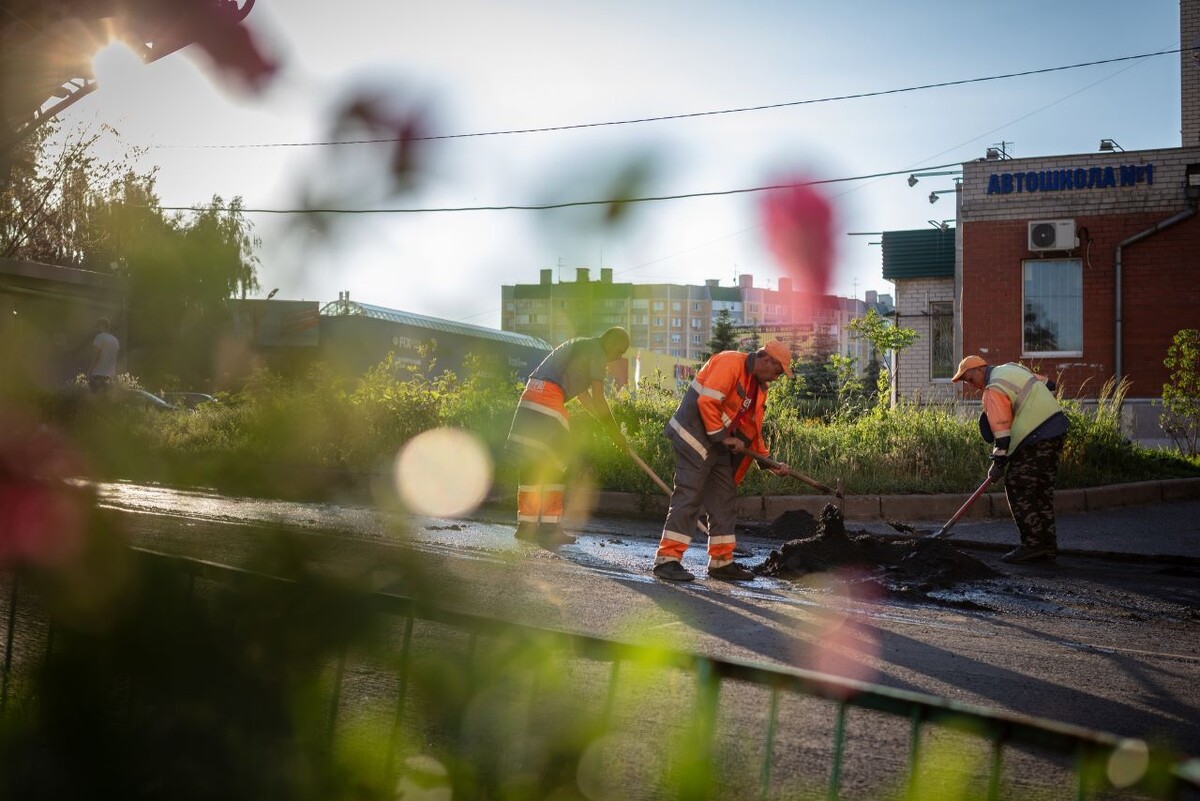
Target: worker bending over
x,y
540,437
717,422
1023,418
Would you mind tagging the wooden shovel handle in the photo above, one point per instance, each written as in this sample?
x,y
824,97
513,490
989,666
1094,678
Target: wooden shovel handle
x,y
662,485
767,461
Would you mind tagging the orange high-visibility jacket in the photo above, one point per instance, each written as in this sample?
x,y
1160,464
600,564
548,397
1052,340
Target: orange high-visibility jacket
x,y
712,403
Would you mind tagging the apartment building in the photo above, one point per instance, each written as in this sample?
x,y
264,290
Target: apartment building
x,y
675,320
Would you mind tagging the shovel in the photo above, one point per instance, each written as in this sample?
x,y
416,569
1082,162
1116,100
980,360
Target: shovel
x,y
767,461
944,531
839,492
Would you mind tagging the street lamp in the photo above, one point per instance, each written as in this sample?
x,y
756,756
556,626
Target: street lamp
x,y
912,179
1109,145
933,196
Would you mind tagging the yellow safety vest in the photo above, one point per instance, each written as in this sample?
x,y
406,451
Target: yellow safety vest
x,y
1032,403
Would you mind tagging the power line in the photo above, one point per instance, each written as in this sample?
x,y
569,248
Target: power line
x,y
689,115
563,205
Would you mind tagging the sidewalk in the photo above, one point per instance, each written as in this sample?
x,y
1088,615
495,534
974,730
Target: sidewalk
x,y
1157,520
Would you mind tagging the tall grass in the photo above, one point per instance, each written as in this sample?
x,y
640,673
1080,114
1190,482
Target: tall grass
x,y
296,437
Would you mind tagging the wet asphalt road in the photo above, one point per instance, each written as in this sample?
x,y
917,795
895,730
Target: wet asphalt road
x,y
1107,644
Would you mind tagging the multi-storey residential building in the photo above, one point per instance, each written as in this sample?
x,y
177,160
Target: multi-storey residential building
x,y
674,320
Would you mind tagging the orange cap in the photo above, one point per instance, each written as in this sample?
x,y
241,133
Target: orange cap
x,y
969,363
780,353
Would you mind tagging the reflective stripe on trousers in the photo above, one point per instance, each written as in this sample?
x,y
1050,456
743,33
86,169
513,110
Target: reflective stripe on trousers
x,y
540,436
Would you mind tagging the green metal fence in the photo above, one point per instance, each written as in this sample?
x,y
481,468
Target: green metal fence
x,y
715,727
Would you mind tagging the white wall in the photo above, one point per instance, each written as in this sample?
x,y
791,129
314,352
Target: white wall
x,y
913,296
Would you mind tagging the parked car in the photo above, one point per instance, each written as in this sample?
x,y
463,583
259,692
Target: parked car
x,y
187,400
143,399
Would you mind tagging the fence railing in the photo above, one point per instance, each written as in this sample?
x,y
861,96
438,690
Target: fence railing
x,y
449,680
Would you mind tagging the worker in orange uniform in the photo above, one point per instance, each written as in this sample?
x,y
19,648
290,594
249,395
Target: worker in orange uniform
x,y
1023,419
717,422
540,434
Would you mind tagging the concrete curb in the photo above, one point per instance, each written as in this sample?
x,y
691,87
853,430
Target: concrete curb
x,y
910,508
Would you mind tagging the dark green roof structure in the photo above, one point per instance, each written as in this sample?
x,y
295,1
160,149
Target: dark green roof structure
x,y
924,253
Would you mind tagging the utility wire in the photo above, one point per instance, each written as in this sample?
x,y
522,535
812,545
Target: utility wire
x,y
565,204
690,115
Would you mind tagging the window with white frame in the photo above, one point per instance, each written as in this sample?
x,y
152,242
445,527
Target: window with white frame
x,y
697,323
676,305
676,322
941,339
1052,307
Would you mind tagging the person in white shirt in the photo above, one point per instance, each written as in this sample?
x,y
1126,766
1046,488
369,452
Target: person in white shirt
x,y
105,348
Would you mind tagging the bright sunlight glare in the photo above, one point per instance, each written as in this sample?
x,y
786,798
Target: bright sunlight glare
x,y
114,64
444,472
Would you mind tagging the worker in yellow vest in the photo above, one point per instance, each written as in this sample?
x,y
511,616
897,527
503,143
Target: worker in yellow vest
x,y
1028,428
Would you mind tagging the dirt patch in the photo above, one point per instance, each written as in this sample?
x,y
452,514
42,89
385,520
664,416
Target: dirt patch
x,y
900,566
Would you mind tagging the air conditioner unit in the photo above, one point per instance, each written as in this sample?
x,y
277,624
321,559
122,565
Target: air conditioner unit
x,y
1052,235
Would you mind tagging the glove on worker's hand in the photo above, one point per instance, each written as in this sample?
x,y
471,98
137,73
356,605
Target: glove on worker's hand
x,y
999,458
996,470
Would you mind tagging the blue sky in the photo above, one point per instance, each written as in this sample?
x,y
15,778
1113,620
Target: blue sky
x,y
476,66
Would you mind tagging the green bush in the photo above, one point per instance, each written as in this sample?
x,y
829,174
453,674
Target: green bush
x,y
305,438
1181,394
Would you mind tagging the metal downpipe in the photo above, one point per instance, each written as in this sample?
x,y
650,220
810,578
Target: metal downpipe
x,y
1118,338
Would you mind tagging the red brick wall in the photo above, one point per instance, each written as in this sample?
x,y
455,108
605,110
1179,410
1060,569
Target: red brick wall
x,y
1161,295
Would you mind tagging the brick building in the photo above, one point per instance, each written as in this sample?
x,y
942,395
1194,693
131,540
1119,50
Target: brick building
x,y
1083,265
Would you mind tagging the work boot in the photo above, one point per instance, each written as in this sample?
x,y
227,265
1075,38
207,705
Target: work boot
x,y
1024,554
527,531
731,572
551,535
672,571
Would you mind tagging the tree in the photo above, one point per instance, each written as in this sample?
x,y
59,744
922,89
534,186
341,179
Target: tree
x,y
1181,394
65,206
723,335
180,273
45,207
817,368
753,342
884,338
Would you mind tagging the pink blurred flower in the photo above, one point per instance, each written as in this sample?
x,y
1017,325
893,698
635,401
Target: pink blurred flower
x,y
213,25
392,117
842,644
799,227
43,518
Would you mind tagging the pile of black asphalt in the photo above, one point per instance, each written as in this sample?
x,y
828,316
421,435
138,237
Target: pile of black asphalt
x,y
900,565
